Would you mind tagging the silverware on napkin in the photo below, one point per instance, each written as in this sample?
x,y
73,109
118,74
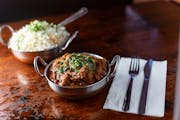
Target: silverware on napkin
x,y
147,73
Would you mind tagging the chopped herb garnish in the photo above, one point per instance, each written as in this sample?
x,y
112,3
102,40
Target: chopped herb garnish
x,y
36,26
62,69
72,69
75,62
62,62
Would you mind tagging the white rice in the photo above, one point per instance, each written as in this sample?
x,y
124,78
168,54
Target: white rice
x,y
38,36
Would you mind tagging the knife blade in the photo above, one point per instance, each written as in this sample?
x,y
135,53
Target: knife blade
x,y
147,74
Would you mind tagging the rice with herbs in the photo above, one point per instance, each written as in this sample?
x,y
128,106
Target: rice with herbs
x,y
38,36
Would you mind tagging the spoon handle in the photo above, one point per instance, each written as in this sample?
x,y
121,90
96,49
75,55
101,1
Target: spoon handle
x,y
74,16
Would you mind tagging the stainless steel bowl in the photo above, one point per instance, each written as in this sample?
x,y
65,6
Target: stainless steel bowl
x,y
28,57
80,91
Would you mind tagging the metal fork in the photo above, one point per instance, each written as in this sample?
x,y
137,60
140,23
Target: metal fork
x,y
133,72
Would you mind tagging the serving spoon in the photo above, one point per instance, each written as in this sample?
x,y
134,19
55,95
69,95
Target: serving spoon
x,y
81,12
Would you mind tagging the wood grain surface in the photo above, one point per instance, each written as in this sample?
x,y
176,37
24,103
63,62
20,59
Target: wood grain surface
x,y
148,30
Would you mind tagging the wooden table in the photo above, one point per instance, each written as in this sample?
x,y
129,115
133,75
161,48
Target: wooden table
x,y
149,30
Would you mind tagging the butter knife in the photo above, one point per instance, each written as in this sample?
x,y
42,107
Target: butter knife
x,y
143,99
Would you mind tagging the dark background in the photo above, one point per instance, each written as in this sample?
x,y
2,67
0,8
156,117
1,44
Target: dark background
x,y
13,10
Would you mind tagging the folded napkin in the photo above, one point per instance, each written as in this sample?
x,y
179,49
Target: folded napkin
x,y
156,91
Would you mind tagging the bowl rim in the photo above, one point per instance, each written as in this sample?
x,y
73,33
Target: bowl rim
x,y
78,87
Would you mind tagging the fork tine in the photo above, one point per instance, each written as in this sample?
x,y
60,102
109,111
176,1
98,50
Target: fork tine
x,y
134,64
136,69
138,64
130,68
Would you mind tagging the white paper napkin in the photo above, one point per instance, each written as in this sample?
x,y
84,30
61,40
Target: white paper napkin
x,y
156,91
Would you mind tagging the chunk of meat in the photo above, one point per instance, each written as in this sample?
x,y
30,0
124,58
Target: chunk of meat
x,y
101,68
81,74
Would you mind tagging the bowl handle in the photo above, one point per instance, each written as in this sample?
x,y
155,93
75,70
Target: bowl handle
x,y
1,28
36,67
69,41
115,62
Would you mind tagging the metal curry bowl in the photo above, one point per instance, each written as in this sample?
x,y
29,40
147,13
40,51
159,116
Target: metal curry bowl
x,y
79,92
28,57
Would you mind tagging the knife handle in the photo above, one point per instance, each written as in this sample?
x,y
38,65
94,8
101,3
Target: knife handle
x,y
127,98
143,99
